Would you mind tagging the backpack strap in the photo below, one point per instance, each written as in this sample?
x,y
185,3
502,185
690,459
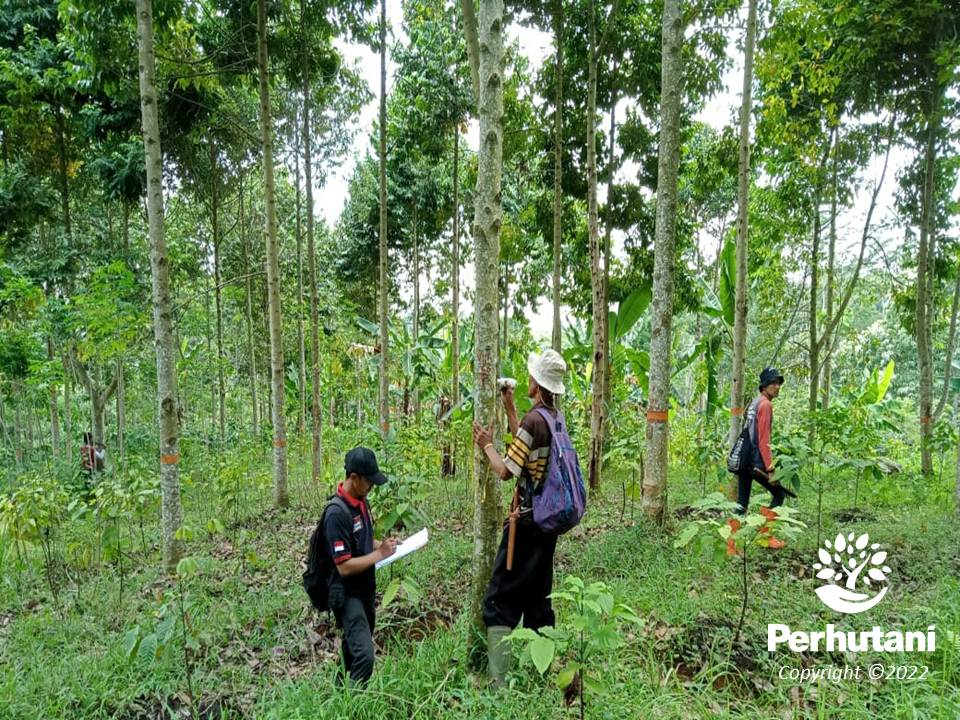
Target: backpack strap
x,y
557,421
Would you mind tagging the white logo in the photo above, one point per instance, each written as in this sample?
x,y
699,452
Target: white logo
x,y
849,558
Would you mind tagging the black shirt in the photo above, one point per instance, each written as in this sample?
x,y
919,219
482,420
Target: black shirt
x,y
348,537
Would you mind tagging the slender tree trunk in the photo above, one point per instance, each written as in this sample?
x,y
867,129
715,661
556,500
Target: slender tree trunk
x,y
301,345
607,239
814,338
121,410
280,497
162,307
658,432
416,306
956,414
316,448
54,411
557,172
737,395
596,276
829,290
217,294
924,291
64,182
68,411
384,405
450,452
248,316
485,50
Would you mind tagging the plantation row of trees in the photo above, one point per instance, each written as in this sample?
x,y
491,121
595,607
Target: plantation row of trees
x,y
173,197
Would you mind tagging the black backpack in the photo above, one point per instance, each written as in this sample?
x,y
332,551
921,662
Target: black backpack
x,y
740,459
320,568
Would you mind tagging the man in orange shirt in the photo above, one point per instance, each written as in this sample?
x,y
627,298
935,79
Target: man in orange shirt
x,y
760,422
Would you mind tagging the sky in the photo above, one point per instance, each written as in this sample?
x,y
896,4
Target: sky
x,y
718,111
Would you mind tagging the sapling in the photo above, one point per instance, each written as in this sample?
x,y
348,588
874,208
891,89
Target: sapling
x,y
590,624
768,529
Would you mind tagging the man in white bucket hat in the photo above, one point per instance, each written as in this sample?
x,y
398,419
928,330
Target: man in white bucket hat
x,y
522,591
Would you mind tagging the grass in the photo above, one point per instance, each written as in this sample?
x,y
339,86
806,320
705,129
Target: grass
x,y
262,654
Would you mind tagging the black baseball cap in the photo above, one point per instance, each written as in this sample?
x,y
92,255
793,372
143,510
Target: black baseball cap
x,y
363,461
769,376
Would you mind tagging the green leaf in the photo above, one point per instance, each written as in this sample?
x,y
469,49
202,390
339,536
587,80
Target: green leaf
x,y
148,648
728,279
631,310
187,566
131,643
523,634
686,535
565,677
541,652
390,593
884,383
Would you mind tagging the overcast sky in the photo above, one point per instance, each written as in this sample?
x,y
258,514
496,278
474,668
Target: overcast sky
x,y
718,111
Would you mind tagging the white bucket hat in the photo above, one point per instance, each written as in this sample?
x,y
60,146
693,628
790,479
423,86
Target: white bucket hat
x,y
548,369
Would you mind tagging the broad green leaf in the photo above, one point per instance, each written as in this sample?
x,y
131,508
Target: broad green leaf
x,y
884,382
390,593
565,677
631,310
541,652
131,642
686,535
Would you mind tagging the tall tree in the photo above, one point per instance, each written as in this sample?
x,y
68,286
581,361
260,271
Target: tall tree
x,y
557,172
166,346
737,394
384,404
280,497
484,35
661,326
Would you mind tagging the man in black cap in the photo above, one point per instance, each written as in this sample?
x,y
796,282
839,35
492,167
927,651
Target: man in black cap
x,y
350,544
760,423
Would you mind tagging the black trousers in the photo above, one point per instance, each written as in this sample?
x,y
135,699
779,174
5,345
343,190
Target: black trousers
x,y
356,616
745,483
522,591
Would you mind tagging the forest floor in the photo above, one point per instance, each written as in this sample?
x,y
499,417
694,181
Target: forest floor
x,y
258,651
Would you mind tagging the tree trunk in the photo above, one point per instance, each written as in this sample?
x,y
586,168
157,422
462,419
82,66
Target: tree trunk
x,y
557,173
596,276
956,414
814,338
416,307
924,291
829,290
162,307
301,345
248,316
486,61
68,411
316,448
280,497
121,409
62,167
738,396
449,449
54,412
658,432
384,404
217,294
607,239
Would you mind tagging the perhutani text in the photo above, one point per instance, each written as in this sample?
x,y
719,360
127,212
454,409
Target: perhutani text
x,y
830,639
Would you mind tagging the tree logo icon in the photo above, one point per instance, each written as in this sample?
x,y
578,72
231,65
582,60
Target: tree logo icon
x,y
847,558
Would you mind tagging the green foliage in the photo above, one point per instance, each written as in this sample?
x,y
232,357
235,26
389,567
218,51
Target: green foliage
x,y
591,625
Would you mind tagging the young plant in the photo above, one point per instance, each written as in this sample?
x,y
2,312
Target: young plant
x,y
593,624
734,536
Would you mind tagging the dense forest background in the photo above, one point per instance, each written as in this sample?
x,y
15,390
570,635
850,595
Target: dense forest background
x,y
540,174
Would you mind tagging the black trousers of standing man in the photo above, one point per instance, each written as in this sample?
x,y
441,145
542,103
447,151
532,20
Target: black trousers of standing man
x,y
356,616
523,590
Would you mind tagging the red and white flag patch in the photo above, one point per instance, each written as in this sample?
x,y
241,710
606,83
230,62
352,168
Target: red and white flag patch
x,y
338,546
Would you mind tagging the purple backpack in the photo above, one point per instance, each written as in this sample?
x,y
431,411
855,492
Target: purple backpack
x,y
560,501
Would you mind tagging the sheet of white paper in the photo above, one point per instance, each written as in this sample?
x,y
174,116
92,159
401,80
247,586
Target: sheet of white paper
x,y
414,542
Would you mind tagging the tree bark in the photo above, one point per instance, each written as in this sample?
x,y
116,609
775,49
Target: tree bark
x,y
301,345
607,239
280,497
68,411
248,316
814,338
738,396
384,404
924,256
448,462
596,276
486,62
217,294
121,410
316,447
829,290
54,411
557,173
416,307
658,433
166,348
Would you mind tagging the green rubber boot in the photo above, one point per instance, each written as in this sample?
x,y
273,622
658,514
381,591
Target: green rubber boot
x,y
499,655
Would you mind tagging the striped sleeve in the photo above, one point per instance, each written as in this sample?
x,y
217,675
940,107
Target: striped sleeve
x,y
518,452
528,453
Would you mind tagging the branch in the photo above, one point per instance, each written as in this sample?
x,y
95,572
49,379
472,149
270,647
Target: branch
x,y
793,316
601,46
81,371
473,43
948,371
848,292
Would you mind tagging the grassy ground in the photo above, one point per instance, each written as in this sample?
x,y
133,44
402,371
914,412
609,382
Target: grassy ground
x,y
260,653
